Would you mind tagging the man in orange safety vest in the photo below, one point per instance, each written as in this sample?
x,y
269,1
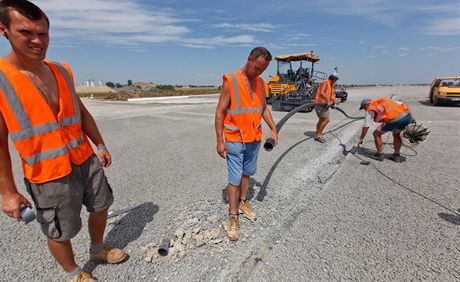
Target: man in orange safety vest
x,y
325,98
50,128
238,118
394,116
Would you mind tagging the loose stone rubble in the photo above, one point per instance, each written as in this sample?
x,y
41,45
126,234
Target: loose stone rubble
x,y
195,232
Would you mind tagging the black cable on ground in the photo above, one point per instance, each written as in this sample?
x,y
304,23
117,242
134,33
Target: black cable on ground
x,y
353,153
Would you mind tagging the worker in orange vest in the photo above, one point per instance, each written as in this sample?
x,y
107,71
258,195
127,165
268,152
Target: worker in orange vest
x,y
325,98
394,116
238,118
49,127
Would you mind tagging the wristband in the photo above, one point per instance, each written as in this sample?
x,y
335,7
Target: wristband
x,y
101,147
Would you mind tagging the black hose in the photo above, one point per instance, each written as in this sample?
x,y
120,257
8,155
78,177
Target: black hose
x,y
270,143
345,114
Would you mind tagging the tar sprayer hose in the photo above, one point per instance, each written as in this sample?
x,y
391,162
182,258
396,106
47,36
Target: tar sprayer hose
x,y
345,114
270,143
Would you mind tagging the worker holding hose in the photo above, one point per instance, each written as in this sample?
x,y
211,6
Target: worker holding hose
x,y
238,118
325,99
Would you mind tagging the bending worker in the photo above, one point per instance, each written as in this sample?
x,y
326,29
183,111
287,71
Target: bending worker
x,y
325,98
49,126
239,114
393,115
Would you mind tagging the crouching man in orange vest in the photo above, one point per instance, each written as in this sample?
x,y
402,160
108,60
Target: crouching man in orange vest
x,y
49,127
393,115
238,124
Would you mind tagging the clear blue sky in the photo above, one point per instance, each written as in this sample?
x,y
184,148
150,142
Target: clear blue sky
x,y
195,41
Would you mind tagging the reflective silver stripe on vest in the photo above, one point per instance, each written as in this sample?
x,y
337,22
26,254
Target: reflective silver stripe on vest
x,y
392,107
32,131
231,127
379,112
75,143
236,92
244,111
27,130
71,120
76,118
14,102
382,109
45,155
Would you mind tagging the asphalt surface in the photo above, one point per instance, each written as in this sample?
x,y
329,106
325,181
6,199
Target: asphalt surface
x,y
322,216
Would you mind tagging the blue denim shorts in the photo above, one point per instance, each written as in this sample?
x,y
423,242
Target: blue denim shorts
x,y
241,160
397,125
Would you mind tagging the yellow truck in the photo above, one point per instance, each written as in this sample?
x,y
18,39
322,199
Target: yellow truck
x,y
445,90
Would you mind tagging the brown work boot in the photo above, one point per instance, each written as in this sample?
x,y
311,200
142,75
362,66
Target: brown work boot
x,y
233,228
246,210
82,277
108,254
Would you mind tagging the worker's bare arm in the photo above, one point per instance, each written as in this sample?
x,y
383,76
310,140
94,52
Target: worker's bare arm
x,y
11,198
89,127
363,134
222,105
267,115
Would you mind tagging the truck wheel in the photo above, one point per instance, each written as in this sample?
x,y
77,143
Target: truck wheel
x,y
435,101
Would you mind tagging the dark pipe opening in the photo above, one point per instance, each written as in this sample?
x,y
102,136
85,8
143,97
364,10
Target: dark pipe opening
x,y
164,247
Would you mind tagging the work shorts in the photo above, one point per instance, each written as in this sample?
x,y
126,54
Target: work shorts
x,y
397,125
322,111
59,202
241,160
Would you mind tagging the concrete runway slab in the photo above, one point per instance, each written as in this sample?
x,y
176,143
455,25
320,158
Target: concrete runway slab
x,y
322,215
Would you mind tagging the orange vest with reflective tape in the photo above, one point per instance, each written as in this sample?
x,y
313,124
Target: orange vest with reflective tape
x,y
47,146
386,109
242,121
325,89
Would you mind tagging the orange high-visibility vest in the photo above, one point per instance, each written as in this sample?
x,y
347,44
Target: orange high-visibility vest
x,y
325,89
46,146
242,121
386,109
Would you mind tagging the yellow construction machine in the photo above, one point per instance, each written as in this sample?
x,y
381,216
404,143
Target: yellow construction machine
x,y
295,82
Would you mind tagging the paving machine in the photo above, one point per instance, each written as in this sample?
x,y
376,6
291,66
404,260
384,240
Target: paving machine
x,y
296,82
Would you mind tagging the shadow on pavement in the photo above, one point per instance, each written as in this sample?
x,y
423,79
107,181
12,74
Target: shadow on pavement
x,y
310,134
251,191
451,218
263,187
127,230
427,103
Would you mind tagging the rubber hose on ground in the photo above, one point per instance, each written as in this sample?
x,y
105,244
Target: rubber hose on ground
x,y
270,143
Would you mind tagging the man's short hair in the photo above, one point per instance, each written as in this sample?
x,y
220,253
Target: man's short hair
x,y
23,7
261,51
